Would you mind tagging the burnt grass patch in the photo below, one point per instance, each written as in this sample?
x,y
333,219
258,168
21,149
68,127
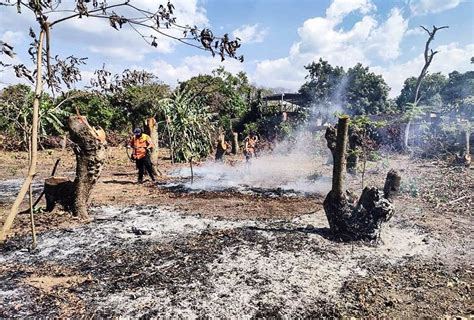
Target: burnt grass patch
x,y
183,274
132,269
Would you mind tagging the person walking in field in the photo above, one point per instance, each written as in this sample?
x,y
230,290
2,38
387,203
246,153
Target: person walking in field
x,y
142,147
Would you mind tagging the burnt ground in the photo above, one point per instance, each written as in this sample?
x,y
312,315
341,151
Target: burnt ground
x,y
164,250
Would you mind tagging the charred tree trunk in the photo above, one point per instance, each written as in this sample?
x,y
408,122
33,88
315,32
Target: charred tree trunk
x,y
90,156
221,148
466,155
392,185
152,130
58,190
354,142
330,136
235,143
339,169
362,221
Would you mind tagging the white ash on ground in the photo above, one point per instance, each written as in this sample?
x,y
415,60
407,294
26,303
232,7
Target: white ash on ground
x,y
156,261
9,188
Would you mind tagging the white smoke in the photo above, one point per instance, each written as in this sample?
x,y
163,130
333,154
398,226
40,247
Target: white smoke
x,y
293,165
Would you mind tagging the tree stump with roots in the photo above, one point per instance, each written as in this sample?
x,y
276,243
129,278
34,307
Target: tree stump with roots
x,y
350,221
90,153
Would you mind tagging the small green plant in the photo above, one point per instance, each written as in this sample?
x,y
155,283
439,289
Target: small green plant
x,y
410,187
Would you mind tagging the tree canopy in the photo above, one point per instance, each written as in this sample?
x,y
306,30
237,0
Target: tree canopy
x,y
430,91
356,91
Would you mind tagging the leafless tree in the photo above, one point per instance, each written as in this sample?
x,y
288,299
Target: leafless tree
x,y
428,56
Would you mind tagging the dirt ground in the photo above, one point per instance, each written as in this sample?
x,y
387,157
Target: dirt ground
x,y
165,250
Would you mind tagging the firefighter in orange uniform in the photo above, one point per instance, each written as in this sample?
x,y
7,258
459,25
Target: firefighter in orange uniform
x,y
142,147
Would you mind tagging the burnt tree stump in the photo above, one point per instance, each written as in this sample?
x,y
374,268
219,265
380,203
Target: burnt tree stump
x,y
90,153
363,220
235,143
89,147
58,190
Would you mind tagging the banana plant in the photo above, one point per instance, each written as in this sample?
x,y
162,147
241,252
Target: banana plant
x,y
190,126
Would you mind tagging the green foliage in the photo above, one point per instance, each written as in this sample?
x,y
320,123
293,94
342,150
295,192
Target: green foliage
x,y
51,118
365,123
323,81
249,128
190,126
358,90
137,102
413,111
16,113
430,92
96,107
366,92
227,96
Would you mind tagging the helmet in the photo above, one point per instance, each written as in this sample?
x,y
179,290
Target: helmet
x,y
137,131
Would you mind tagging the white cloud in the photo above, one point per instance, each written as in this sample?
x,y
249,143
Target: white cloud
x,y
251,34
126,54
340,8
367,42
278,73
415,32
13,38
422,7
191,66
457,56
386,39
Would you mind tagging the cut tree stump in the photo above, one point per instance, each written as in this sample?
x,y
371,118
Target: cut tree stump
x,y
235,142
90,144
58,190
90,156
363,220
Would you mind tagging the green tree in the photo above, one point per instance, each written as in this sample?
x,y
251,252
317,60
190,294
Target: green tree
x,y
366,92
429,93
16,114
228,96
459,86
358,91
322,82
96,107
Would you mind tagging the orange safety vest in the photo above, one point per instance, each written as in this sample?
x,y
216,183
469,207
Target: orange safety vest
x,y
140,146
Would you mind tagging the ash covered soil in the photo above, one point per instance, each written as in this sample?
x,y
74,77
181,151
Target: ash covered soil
x,y
170,250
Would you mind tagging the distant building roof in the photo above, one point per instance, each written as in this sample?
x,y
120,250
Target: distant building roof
x,y
294,98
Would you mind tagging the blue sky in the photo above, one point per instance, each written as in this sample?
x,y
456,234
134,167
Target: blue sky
x,y
279,38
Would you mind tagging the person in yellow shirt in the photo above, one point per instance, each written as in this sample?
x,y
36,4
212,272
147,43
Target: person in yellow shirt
x,y
142,147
